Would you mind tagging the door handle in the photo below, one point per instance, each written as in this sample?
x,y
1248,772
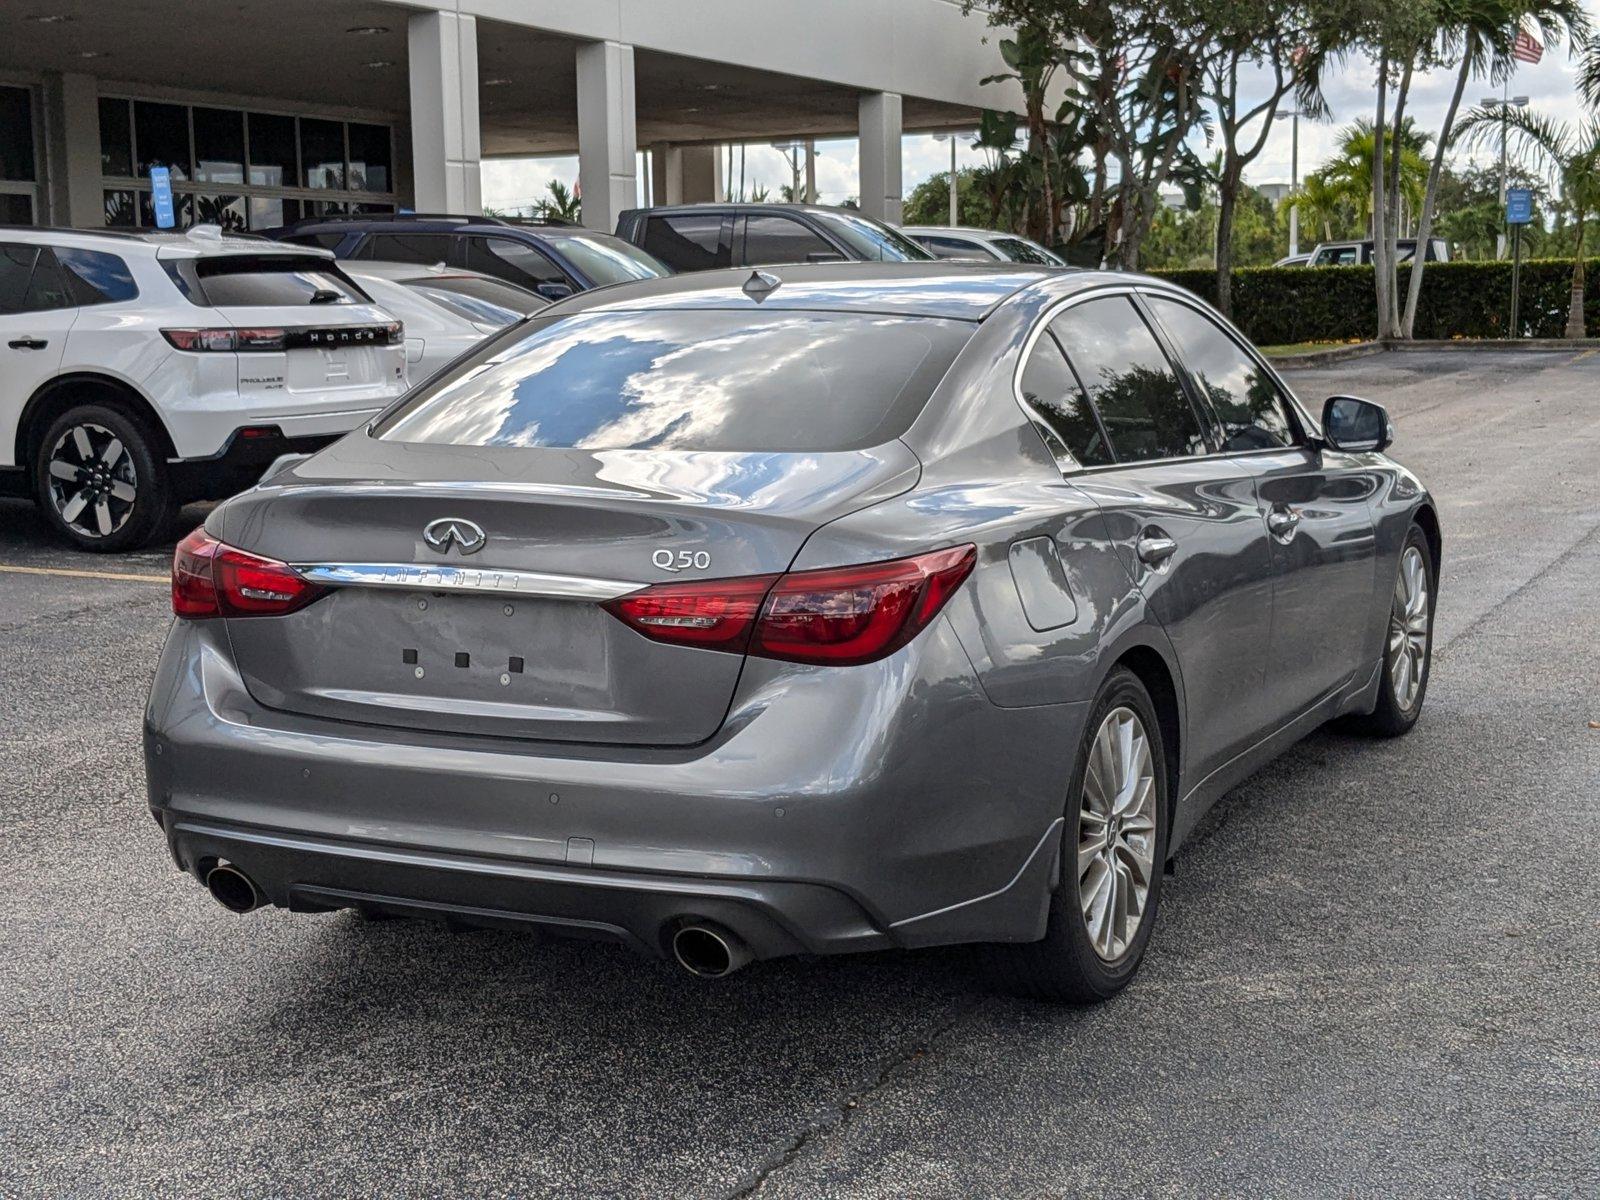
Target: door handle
x,y
27,343
1154,548
1281,522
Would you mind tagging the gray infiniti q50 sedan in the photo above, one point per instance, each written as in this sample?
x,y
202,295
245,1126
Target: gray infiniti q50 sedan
x,y
824,608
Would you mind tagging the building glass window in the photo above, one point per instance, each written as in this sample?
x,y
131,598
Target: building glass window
x,y
218,145
370,157
322,153
161,137
116,138
18,161
241,171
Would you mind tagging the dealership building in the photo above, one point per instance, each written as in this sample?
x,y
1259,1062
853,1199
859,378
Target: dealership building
x,y
265,112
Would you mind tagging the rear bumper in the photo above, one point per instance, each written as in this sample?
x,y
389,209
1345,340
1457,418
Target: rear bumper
x,y
240,462
836,810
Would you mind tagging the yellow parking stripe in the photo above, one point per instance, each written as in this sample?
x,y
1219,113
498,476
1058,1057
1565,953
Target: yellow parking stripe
x,y
71,574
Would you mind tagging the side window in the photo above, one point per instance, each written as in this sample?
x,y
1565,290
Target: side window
x,y
16,272
48,287
94,277
1130,380
949,247
685,243
772,239
1052,391
1243,395
507,259
424,249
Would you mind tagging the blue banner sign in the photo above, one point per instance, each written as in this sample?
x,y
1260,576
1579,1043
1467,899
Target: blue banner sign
x,y
161,197
1519,206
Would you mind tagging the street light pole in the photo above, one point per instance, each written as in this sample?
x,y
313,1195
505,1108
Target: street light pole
x,y
1505,104
1293,116
954,215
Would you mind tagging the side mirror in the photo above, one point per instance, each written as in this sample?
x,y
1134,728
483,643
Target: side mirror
x,y
1356,426
554,291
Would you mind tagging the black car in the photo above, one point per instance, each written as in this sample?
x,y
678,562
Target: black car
x,y
698,237
553,259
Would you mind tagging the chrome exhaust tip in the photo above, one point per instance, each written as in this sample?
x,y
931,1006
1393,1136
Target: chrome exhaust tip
x,y
709,952
233,889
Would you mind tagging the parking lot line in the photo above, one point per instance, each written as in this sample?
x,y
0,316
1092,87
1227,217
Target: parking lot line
x,y
69,573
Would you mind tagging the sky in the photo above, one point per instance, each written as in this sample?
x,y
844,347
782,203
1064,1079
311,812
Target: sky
x,y
512,183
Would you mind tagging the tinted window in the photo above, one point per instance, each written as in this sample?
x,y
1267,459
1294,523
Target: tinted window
x,y
506,259
369,158
685,243
770,239
689,380
16,270
96,277
949,247
1053,393
1134,387
15,209
424,249
322,153
219,145
241,280
1021,251
328,241
1245,398
48,287
272,152
116,138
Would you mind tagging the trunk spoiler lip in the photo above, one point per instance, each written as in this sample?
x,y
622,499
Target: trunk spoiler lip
x,y
443,578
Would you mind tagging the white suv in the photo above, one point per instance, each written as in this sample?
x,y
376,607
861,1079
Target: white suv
x,y
143,371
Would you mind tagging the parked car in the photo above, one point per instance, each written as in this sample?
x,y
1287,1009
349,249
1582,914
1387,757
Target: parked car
x,y
984,245
1345,254
1294,260
445,311
552,259
949,630
142,371
699,237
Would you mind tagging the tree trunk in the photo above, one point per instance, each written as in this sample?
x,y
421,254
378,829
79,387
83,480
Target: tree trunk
x,y
1575,322
1392,219
1425,218
1383,281
1227,201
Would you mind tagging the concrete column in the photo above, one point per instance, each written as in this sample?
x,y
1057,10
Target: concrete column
x,y
658,174
699,174
879,117
607,141
811,170
72,151
445,143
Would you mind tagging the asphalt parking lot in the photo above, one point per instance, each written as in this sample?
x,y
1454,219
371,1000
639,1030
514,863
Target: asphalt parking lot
x,y
1376,971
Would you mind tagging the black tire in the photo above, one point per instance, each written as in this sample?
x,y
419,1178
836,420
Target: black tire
x,y
1392,717
133,492
1064,965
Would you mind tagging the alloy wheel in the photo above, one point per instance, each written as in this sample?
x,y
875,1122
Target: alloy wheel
x,y
93,483
1117,833
1408,629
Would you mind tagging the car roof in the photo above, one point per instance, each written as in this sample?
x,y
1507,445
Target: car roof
x,y
195,242
745,206
960,230
952,290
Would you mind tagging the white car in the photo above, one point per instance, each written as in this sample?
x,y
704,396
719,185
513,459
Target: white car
x,y
445,310
984,245
143,371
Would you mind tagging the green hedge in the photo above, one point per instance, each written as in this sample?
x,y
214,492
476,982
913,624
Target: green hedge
x,y
1284,305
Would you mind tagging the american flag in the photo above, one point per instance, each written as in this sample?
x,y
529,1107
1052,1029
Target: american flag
x,y
1526,48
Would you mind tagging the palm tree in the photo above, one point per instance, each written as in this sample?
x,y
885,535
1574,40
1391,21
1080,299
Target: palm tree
x,y
1322,203
561,204
1349,173
1570,152
1482,33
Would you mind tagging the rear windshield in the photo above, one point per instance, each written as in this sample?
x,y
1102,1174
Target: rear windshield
x,y
479,298
272,280
714,380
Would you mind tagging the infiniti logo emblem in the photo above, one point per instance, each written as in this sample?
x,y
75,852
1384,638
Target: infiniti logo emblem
x,y
466,536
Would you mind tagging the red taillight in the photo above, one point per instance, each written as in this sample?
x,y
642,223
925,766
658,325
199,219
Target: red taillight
x,y
226,340
838,615
210,579
715,614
